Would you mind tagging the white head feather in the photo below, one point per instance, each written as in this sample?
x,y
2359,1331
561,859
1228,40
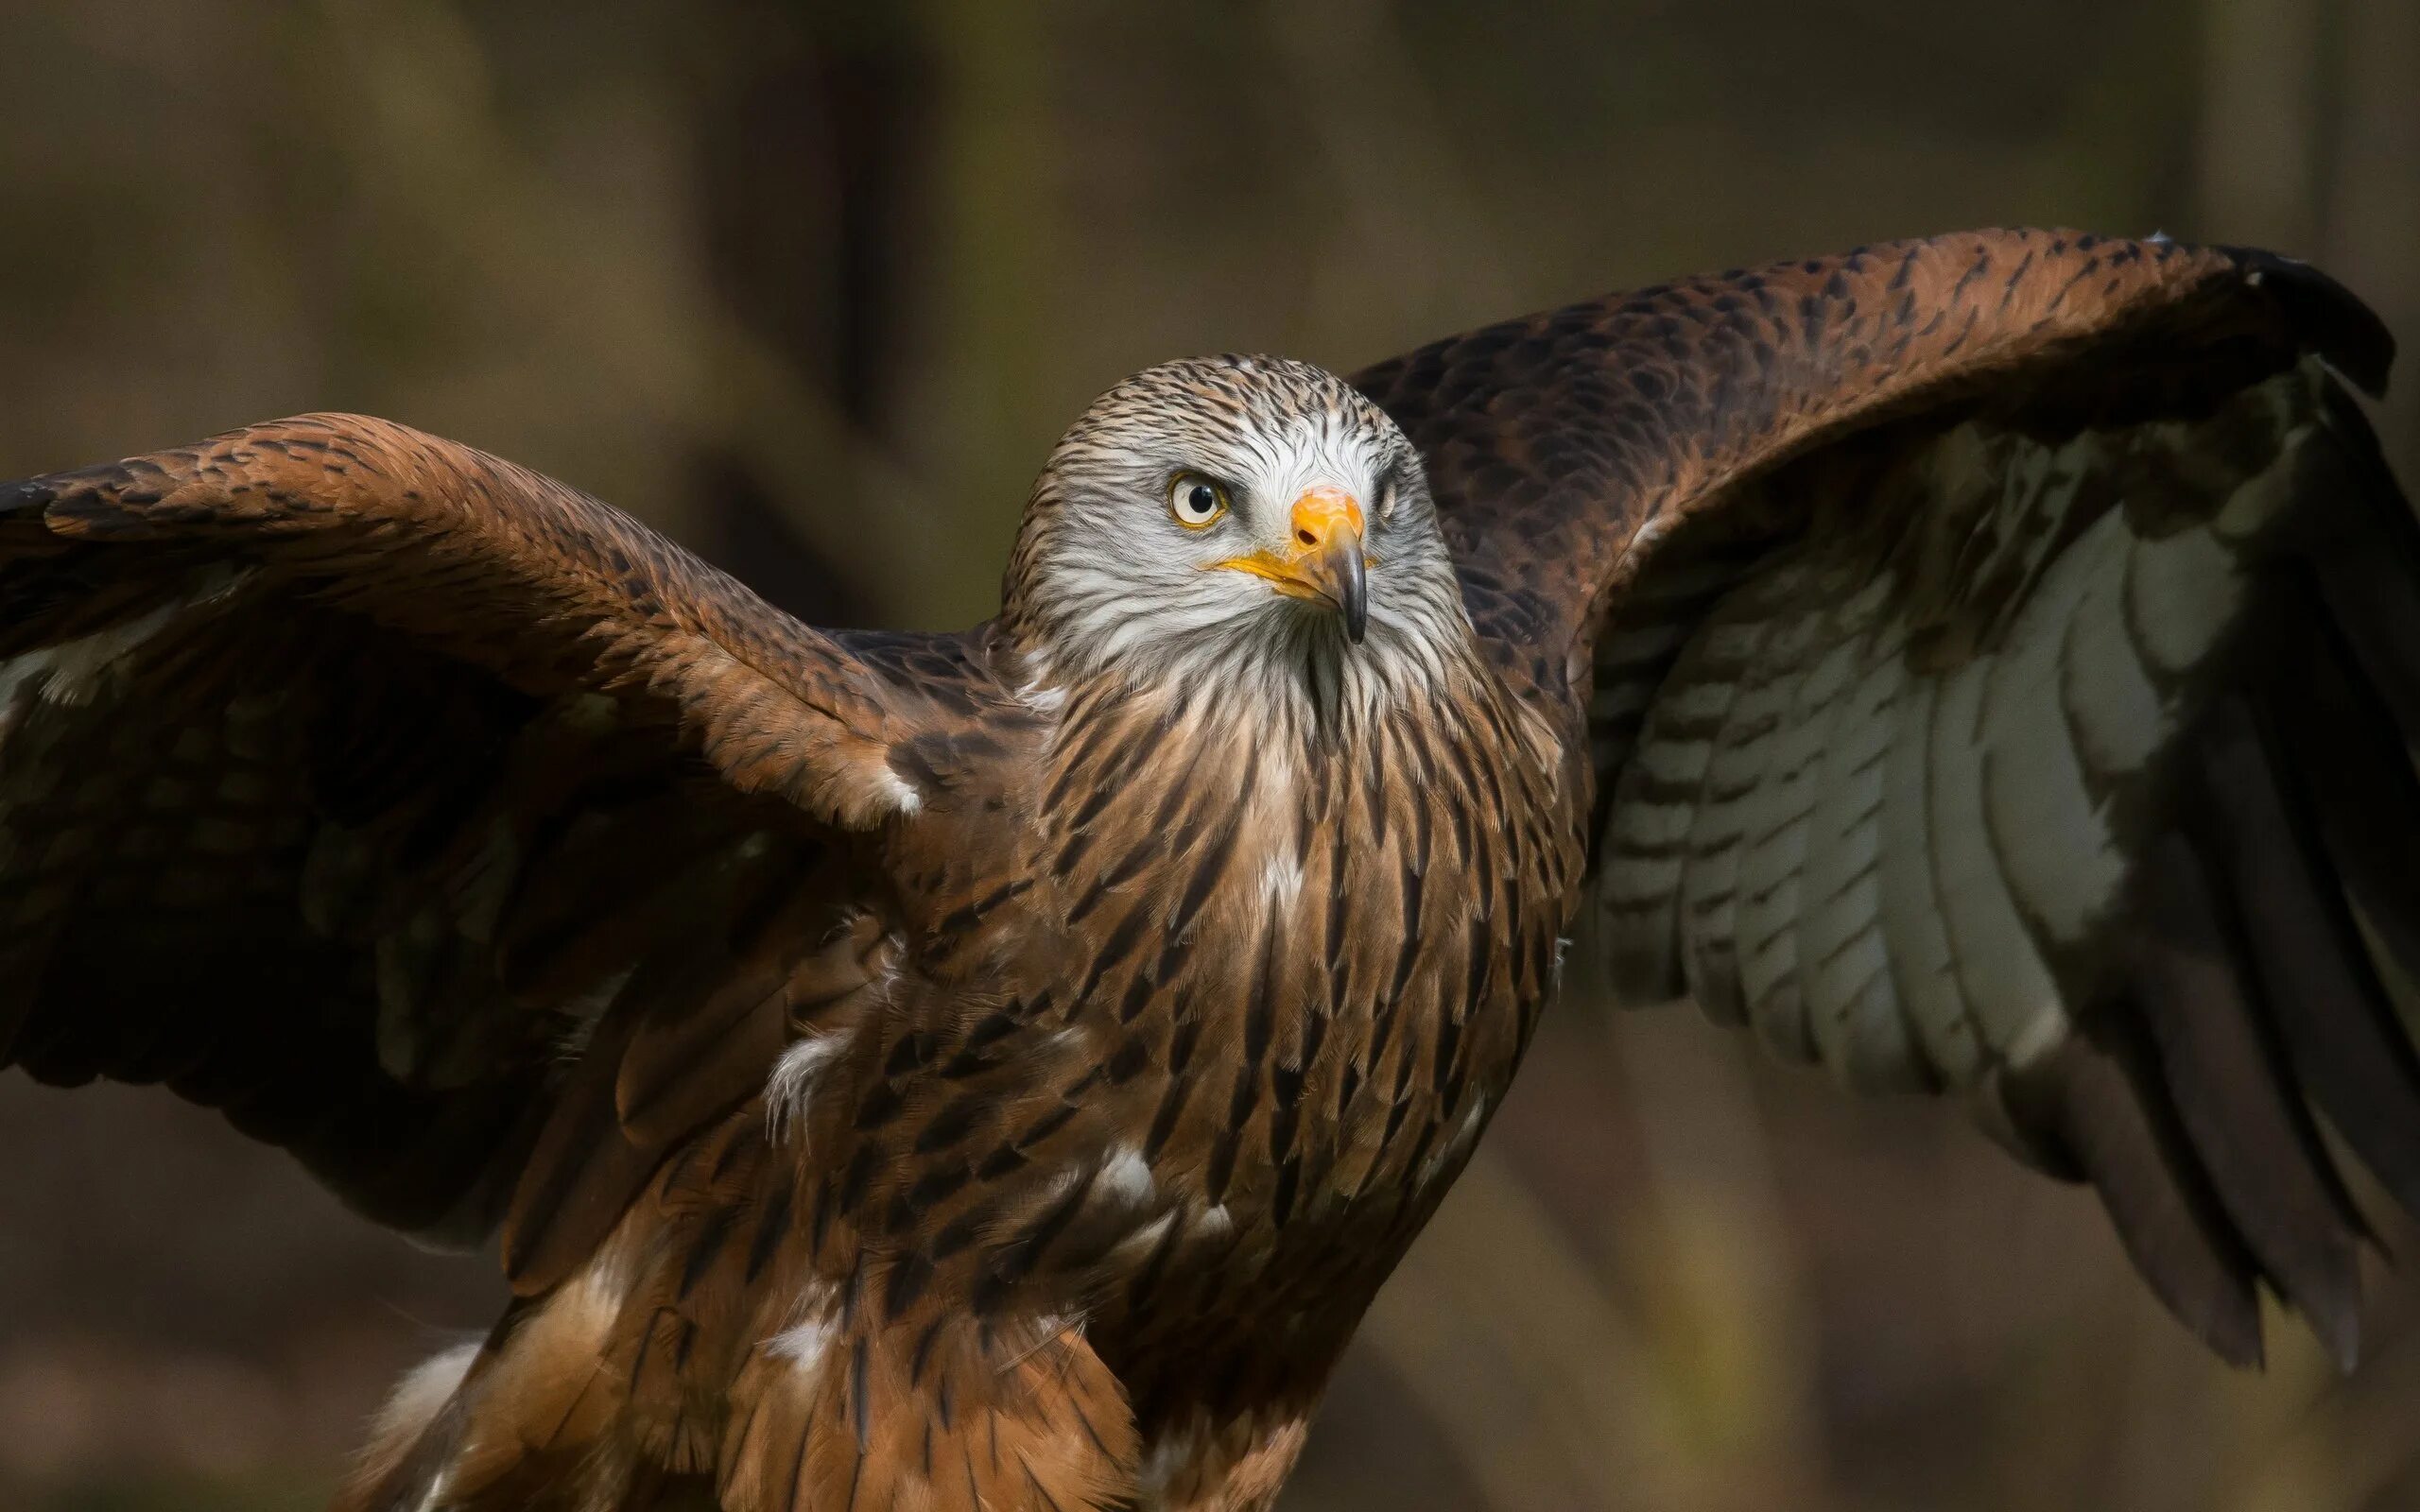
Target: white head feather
x,y
1107,581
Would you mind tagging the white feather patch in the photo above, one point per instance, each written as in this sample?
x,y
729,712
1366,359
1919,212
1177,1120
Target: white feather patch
x,y
2182,592
803,1344
902,796
1281,879
76,667
1458,1145
72,671
1146,1239
1170,1451
1126,1176
792,1085
417,1399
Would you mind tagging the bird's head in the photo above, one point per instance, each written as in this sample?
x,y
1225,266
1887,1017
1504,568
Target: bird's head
x,y
1254,513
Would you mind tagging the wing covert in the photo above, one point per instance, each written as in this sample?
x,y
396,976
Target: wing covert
x,y
481,561
428,817
1557,442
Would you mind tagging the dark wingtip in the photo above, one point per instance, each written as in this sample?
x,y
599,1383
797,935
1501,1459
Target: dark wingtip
x,y
2327,317
27,493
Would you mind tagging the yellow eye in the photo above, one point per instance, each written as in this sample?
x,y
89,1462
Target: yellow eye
x,y
1195,501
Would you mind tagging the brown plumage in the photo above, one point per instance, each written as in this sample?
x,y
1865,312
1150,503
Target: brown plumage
x,y
996,1070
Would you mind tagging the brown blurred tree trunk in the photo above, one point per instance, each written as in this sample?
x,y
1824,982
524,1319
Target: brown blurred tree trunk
x,y
2373,231
2260,137
814,162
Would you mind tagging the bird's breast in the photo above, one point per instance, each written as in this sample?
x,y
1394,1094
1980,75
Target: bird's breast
x,y
1300,974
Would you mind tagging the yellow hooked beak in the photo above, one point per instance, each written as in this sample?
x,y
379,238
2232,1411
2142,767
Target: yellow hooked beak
x,y
1322,559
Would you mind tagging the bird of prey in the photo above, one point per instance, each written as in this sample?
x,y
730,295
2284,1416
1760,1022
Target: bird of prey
x,y
996,1069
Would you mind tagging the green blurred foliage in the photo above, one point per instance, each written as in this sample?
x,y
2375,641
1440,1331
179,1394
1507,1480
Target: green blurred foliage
x,y
814,287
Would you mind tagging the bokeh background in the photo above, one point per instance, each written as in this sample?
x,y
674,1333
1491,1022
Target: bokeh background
x,y
814,288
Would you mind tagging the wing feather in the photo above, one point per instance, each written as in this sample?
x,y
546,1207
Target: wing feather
x,y
1924,963
428,816
2046,718
492,563
2335,1012
2251,1131
2039,724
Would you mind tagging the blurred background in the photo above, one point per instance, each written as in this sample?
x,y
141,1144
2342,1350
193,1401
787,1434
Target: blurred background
x,y
814,289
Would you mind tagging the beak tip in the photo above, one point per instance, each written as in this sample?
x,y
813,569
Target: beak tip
x,y
1353,595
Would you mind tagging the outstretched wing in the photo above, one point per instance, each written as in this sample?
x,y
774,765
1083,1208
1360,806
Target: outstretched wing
x,y
2000,654
432,819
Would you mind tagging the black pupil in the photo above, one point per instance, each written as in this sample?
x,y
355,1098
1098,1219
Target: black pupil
x,y
1200,498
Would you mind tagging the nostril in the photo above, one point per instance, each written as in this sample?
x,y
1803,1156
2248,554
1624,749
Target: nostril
x,y
1306,538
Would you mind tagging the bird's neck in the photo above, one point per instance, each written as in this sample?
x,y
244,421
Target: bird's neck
x,y
1296,680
